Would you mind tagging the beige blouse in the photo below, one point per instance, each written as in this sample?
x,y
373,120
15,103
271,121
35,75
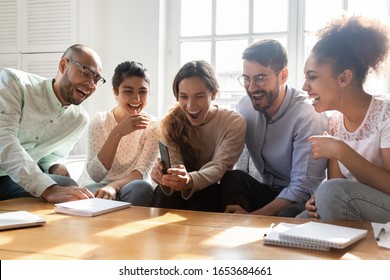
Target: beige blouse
x,y
223,140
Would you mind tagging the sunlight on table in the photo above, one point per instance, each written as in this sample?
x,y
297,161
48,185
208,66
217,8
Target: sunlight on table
x,y
243,235
139,226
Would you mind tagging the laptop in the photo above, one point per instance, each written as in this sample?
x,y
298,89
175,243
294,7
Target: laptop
x,y
19,219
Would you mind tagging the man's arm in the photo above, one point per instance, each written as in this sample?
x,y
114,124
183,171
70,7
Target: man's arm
x,y
306,172
14,159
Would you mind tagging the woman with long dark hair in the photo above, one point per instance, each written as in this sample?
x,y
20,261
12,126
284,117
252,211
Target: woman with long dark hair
x,y
204,142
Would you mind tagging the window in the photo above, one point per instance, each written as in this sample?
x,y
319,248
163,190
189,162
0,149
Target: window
x,y
219,30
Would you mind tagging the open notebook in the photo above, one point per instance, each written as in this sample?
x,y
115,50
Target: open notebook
x,y
19,219
322,234
90,207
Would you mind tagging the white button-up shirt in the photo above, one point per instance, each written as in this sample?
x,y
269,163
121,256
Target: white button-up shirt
x,y
34,129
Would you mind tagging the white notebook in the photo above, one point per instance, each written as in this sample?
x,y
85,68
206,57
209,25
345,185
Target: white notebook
x,y
19,219
323,234
90,207
272,238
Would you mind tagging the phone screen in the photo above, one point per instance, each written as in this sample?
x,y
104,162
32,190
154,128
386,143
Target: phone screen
x,y
164,156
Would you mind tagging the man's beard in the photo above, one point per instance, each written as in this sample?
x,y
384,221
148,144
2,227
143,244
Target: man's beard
x,y
66,91
261,95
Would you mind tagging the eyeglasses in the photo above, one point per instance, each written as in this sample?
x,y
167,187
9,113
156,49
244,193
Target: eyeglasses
x,y
89,73
259,80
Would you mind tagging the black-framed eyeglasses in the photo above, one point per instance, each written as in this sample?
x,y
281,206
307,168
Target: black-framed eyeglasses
x,y
87,72
260,80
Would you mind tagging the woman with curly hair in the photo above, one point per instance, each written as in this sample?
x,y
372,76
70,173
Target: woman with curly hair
x,y
204,142
357,143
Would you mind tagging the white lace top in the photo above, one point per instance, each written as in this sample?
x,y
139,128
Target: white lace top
x,y
371,136
136,151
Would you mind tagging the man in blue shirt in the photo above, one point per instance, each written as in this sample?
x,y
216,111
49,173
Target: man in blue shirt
x,y
280,119
40,123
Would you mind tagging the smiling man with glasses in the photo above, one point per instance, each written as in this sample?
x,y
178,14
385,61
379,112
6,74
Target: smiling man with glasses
x,y
259,80
40,123
279,121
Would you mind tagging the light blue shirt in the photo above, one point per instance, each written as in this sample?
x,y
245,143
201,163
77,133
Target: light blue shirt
x,y
34,129
279,147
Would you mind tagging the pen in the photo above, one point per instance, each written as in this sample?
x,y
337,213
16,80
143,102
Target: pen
x,y
271,227
381,232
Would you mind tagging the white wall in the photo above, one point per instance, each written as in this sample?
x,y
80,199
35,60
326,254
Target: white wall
x,y
122,30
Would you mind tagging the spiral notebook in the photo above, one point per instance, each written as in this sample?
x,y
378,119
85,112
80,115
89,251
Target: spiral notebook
x,y
272,238
322,234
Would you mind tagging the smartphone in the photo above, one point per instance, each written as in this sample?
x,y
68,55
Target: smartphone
x,y
164,156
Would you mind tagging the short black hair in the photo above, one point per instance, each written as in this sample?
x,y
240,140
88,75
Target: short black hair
x,y
128,69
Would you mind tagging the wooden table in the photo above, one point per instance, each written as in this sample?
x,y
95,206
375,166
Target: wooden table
x,y
141,233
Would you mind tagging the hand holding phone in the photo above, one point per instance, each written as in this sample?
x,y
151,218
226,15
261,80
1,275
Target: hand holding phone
x,y
164,157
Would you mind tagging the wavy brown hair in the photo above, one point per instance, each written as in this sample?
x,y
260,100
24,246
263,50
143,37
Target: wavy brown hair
x,y
178,130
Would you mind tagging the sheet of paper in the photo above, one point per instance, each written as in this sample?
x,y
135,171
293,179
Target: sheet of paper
x,y
385,239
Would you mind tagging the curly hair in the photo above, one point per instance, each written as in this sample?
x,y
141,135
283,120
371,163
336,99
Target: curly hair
x,y
355,43
178,130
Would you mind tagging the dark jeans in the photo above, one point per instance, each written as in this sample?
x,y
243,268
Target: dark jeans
x,y
239,188
10,189
137,192
205,200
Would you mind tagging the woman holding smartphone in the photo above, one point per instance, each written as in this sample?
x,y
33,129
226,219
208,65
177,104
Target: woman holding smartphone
x,y
204,141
